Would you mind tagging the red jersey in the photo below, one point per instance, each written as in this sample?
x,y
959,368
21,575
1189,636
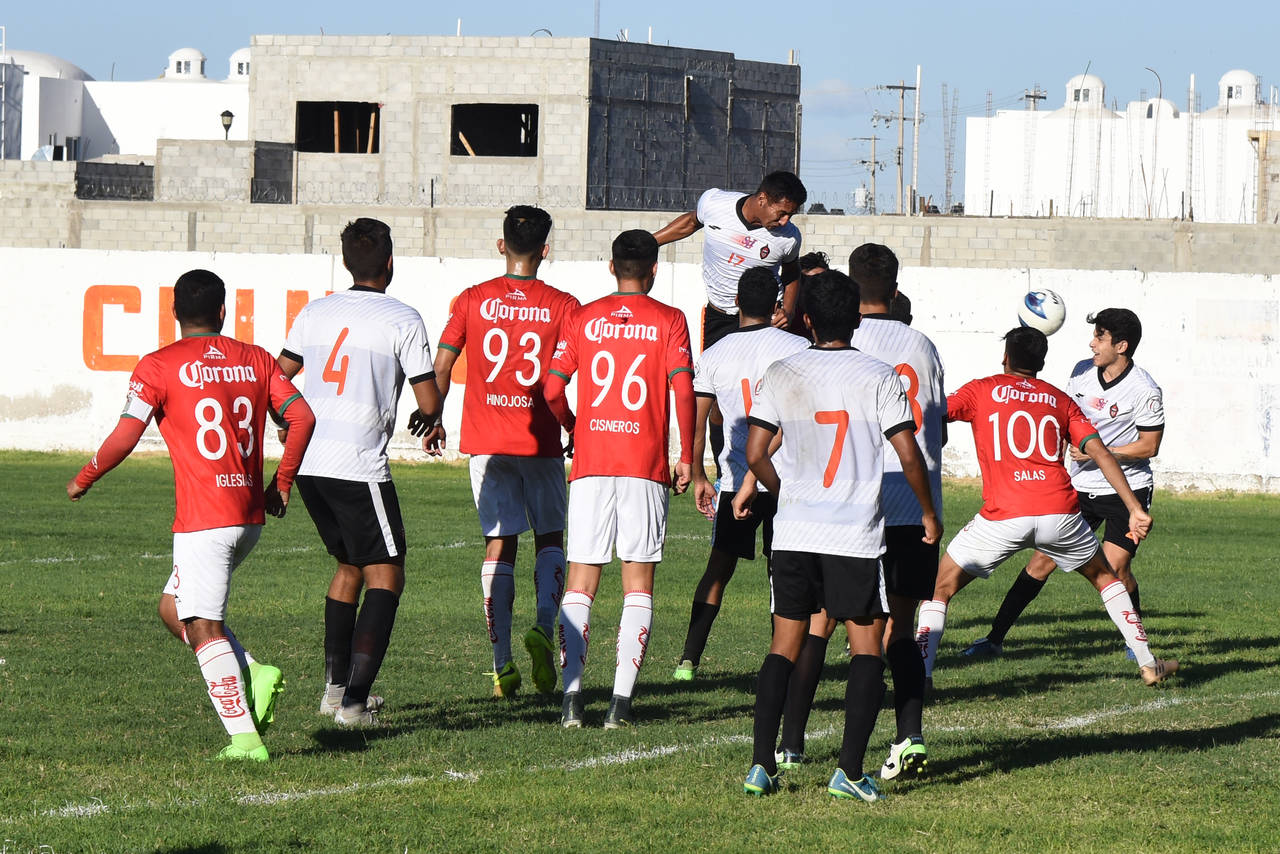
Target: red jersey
x,y
511,322
1019,424
209,396
628,346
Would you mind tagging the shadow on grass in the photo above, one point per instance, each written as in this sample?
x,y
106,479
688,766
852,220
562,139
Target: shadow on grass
x,y
208,848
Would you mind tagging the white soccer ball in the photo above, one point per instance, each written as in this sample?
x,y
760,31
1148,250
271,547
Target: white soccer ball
x,y
1043,310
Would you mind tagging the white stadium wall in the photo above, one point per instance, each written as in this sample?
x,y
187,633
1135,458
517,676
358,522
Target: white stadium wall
x,y
78,320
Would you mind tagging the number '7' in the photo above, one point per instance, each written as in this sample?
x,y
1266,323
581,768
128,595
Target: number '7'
x,y
840,419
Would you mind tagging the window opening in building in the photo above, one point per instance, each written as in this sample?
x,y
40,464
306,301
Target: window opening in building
x,y
338,127
494,130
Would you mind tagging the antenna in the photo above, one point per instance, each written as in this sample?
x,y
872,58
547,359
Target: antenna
x,y
949,118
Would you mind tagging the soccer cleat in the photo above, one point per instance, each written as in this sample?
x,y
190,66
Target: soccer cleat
x,y
840,786
231,753
572,713
356,716
543,666
759,782
506,681
685,671
619,715
1161,670
329,707
788,759
265,684
908,755
983,648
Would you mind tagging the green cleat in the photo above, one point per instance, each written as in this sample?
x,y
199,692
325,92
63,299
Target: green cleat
x,y
265,684
907,756
543,666
506,681
685,671
233,753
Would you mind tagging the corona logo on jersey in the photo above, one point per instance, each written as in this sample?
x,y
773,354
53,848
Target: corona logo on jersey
x,y
494,309
598,329
1007,394
196,374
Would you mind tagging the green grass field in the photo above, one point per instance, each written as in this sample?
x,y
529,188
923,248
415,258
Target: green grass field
x,y
107,736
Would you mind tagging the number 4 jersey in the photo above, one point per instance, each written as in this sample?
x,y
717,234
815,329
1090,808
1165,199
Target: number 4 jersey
x,y
209,395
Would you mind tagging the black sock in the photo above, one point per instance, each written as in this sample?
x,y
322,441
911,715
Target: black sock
x,y
862,699
771,690
369,643
717,444
907,668
1133,597
1024,589
702,615
800,692
339,623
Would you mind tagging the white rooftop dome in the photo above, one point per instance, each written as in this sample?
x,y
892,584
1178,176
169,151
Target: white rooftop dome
x,y
47,65
185,63
239,65
1085,90
1239,86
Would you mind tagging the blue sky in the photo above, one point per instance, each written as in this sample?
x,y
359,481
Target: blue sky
x,y
845,49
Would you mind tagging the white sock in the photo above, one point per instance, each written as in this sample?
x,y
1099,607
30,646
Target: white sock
x,y
548,584
498,581
633,640
243,657
575,631
932,620
226,687
1120,608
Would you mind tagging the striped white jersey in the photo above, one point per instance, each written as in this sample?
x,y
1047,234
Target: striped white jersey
x,y
728,371
1121,409
732,246
835,408
358,346
912,355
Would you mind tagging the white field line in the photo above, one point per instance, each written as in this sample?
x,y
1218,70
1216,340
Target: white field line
x,y
260,552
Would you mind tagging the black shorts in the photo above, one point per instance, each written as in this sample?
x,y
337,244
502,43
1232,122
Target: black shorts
x,y
1096,509
910,564
738,536
716,324
848,587
359,523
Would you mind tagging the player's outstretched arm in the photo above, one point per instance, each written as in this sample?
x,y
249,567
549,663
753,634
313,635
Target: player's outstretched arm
x,y
686,417
789,274
1139,520
558,401
123,439
759,457
913,467
678,229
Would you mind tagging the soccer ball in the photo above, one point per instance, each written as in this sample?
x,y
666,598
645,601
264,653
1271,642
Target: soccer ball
x,y
1043,310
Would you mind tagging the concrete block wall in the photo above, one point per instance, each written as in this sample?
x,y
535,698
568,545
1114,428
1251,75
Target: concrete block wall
x,y
203,170
36,199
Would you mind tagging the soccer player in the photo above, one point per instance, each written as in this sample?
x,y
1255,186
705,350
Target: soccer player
x,y
209,395
1125,404
1019,426
813,263
726,373
629,347
835,408
361,345
517,464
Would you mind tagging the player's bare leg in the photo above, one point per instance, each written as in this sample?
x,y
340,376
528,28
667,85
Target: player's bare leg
x,y
802,686
548,585
226,687
575,630
1120,608
1121,562
706,606
932,619
498,585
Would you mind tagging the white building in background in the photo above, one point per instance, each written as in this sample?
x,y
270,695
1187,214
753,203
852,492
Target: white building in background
x,y
55,110
1149,160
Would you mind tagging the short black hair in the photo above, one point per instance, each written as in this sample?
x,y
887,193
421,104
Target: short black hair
x,y
1026,348
525,229
366,248
830,300
1122,324
634,254
197,297
814,260
783,185
875,268
900,308
757,292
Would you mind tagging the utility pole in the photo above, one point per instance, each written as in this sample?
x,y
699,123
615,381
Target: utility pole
x,y
915,147
1031,96
872,165
902,119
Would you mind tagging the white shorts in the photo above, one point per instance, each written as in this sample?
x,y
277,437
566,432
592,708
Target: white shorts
x,y
630,512
514,494
984,543
202,565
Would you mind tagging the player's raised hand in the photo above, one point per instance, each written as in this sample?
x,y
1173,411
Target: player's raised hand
x,y
932,528
74,491
274,501
433,439
681,477
743,499
704,496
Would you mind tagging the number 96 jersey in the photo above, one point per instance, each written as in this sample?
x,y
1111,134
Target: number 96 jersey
x,y
209,395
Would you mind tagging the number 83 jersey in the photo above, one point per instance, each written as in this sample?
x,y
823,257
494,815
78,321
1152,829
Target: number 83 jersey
x,y
209,395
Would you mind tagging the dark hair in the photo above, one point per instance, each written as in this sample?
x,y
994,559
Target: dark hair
x,y
783,185
525,229
830,300
1026,347
900,308
814,260
757,292
634,254
366,249
875,268
1122,324
197,296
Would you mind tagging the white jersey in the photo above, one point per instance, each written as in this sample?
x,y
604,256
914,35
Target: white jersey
x,y
912,355
732,246
727,371
1121,409
835,408
358,346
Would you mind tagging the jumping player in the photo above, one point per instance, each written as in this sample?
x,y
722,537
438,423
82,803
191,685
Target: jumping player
x,y
628,348
517,464
209,395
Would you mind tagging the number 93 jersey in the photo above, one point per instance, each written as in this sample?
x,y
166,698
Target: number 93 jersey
x,y
209,395
512,324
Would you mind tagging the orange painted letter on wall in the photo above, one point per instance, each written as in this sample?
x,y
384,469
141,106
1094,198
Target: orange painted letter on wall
x,y
96,298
